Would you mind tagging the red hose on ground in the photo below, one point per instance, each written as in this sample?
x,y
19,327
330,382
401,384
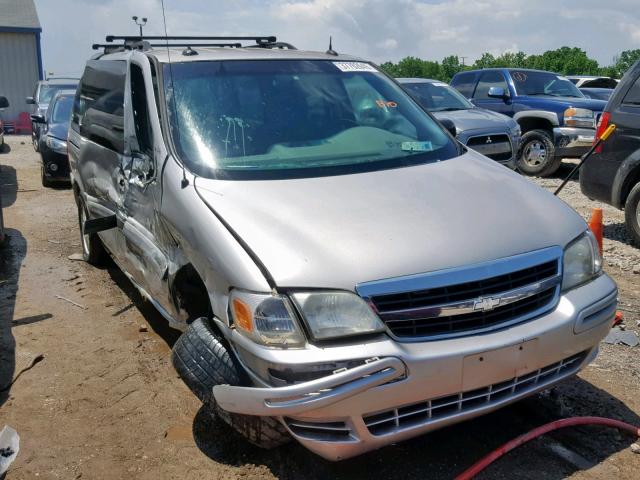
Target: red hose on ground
x,y
536,432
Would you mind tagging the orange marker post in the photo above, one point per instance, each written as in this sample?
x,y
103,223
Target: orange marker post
x,y
595,224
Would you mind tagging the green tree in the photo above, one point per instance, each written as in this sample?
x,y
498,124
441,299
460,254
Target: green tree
x,y
623,62
485,61
449,67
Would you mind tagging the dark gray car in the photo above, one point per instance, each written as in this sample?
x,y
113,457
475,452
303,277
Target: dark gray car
x,y
489,133
42,95
612,175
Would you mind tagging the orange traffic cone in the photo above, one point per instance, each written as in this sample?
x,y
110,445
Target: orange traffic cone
x,y
595,224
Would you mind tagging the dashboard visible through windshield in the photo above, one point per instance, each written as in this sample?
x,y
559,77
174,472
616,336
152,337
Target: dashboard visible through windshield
x,y
242,118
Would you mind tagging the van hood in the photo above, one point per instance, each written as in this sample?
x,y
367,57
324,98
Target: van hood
x,y
477,118
338,231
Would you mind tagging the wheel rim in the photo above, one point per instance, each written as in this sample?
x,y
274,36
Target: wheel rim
x,y
83,236
534,153
638,214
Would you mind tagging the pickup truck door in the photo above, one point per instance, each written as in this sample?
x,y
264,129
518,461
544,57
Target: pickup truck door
x,y
489,79
146,259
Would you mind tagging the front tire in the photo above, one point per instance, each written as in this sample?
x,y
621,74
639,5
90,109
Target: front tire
x,y
45,181
632,214
93,251
35,141
537,154
203,361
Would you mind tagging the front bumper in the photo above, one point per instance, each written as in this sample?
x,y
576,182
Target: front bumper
x,y
572,142
61,161
503,152
407,389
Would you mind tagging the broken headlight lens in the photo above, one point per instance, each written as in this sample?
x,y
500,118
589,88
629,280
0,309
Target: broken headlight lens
x,y
266,319
582,261
337,314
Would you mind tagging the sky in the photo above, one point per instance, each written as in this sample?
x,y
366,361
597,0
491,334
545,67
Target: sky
x,y
378,30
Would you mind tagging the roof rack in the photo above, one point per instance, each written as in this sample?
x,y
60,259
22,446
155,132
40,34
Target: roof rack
x,y
131,46
131,42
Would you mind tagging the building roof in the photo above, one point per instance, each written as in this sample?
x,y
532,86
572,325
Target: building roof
x,y
18,15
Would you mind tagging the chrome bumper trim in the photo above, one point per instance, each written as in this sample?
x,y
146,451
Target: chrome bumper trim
x,y
299,398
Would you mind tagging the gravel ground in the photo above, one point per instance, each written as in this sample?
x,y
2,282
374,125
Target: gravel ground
x,y
618,250
105,402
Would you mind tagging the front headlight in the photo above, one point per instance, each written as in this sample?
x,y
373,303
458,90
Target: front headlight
x,y
57,145
336,314
582,261
266,319
579,117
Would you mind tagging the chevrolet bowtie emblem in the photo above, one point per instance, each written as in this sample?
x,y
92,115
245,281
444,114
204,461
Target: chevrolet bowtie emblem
x,y
486,303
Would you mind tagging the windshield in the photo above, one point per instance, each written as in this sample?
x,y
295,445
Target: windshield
x,y
543,83
47,91
62,109
437,96
239,117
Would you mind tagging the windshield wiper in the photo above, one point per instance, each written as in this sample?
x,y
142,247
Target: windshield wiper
x,y
448,109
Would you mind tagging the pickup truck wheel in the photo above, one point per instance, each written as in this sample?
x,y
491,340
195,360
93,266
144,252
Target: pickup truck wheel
x,y
203,361
537,154
93,251
632,214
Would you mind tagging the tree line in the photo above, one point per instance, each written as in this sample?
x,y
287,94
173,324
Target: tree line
x,y
564,60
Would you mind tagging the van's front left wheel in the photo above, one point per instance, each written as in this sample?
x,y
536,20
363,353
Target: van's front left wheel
x,y
203,361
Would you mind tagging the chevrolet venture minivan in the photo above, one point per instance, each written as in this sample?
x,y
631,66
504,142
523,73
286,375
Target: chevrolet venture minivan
x,y
345,272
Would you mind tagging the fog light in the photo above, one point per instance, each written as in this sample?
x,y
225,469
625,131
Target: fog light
x,y
53,167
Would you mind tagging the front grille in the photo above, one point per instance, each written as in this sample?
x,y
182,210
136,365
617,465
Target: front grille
x,y
496,147
470,321
428,411
423,313
321,431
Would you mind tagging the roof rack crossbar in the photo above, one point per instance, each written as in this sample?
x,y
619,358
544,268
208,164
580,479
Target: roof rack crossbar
x,y
258,39
129,46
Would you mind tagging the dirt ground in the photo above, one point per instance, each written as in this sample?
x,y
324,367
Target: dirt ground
x,y
105,401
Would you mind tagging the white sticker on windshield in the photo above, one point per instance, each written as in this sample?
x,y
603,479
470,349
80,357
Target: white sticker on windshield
x,y
354,67
416,146
440,84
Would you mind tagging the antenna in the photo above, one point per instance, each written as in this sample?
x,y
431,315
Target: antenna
x,y
184,181
331,51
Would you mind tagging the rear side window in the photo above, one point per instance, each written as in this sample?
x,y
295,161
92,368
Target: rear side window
x,y
488,80
633,95
98,110
142,121
464,83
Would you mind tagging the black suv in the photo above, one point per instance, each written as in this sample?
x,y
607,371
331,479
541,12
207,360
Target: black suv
x,y
612,175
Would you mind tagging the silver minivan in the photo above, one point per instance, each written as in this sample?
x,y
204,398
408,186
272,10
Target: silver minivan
x,y
345,272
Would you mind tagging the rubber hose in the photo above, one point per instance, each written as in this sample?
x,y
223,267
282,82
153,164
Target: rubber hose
x,y
484,462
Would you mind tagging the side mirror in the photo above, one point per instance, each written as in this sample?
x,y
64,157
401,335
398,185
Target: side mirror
x,y
38,118
449,126
497,92
4,103
30,100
